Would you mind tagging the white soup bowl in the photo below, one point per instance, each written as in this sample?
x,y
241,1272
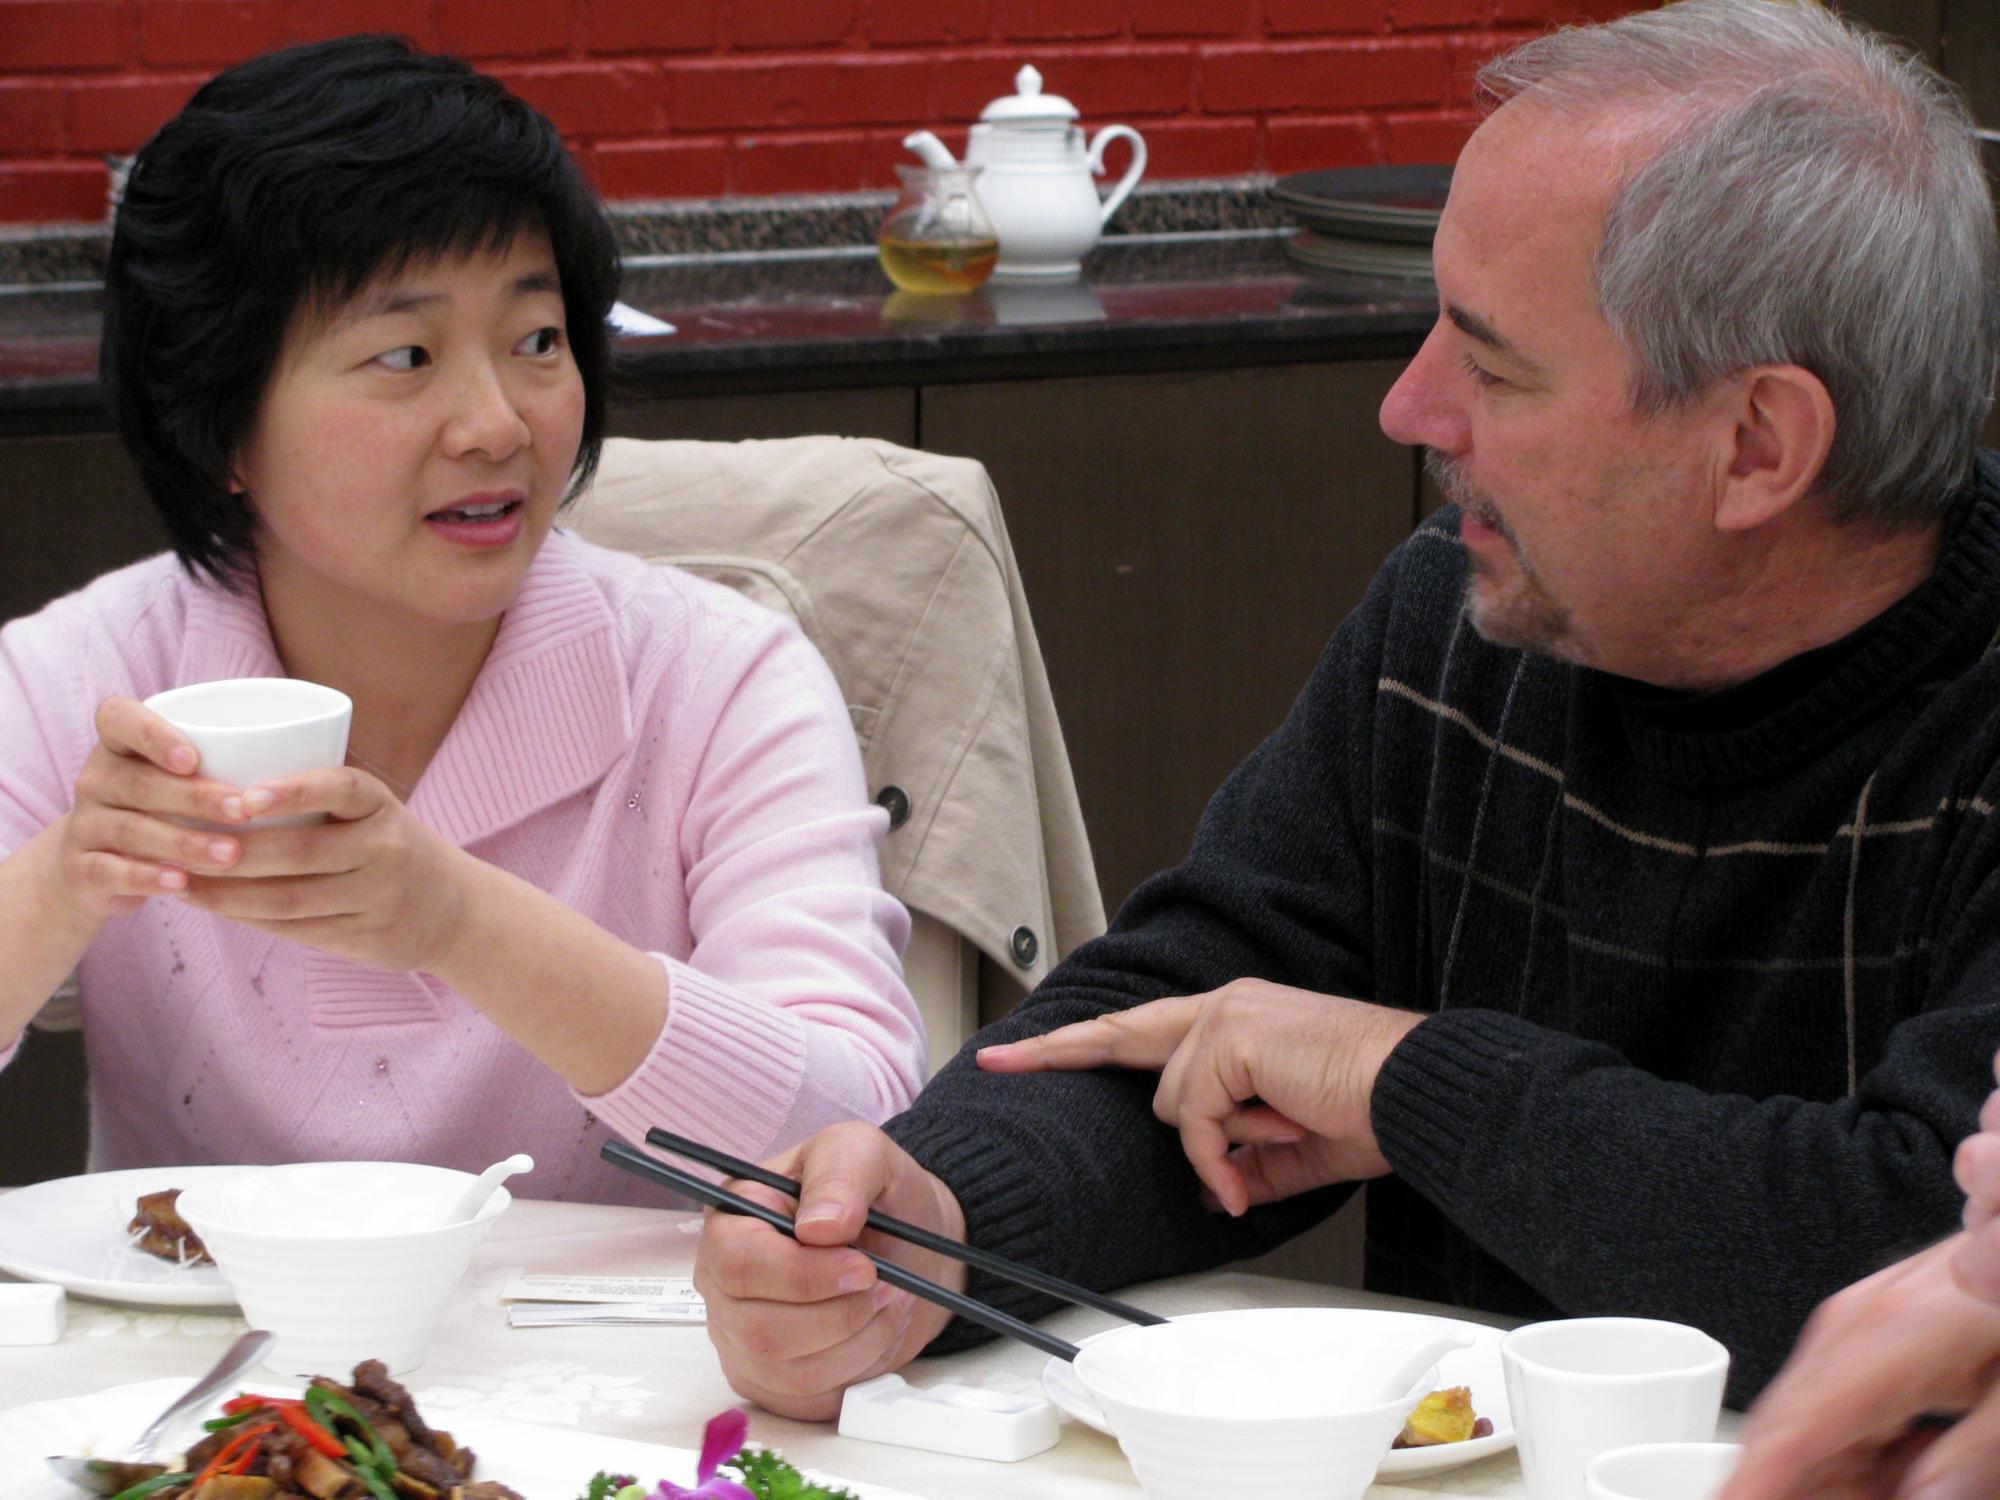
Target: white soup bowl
x,y
1285,1404
342,1260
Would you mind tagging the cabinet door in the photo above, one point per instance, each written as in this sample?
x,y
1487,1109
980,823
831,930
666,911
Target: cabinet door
x,y
1188,541
70,508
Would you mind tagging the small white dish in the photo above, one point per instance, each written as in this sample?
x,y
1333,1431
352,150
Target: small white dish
x,y
1477,1366
71,1231
1661,1471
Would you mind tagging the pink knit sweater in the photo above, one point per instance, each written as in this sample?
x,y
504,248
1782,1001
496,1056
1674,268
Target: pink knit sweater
x,y
667,758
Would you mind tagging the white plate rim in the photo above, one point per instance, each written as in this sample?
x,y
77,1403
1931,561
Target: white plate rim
x,y
210,1292
515,1442
1060,1385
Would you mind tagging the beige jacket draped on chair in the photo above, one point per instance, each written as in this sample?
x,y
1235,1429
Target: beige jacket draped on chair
x,y
897,566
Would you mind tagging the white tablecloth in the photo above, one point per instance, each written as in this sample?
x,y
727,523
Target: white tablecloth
x,y
660,1384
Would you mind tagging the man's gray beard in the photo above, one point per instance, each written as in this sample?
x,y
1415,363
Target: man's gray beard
x,y
1528,619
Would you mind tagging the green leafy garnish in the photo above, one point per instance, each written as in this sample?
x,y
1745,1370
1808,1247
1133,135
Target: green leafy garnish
x,y
769,1477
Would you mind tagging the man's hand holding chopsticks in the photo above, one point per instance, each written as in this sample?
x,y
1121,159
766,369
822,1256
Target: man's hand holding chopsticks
x,y
1268,1085
796,1323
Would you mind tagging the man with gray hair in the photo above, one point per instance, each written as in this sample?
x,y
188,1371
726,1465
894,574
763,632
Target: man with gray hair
x,y
1621,898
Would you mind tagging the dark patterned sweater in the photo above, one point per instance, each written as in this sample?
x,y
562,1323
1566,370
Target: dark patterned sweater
x,y
1712,982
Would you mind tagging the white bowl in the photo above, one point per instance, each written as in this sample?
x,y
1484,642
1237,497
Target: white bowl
x,y
342,1260
1661,1471
1286,1407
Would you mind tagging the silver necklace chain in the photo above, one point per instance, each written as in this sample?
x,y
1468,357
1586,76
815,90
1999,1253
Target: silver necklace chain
x,y
402,789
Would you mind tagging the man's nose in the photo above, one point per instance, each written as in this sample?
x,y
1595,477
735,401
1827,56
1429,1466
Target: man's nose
x,y
1424,407
484,416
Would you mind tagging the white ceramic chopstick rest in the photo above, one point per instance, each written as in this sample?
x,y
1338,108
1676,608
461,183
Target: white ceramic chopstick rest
x,y
1004,1418
32,1312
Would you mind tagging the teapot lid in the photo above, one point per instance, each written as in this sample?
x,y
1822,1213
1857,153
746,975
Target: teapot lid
x,y
1030,106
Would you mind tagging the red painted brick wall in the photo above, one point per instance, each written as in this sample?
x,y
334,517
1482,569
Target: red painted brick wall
x,y
697,98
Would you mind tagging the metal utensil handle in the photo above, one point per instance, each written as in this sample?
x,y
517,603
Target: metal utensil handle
x,y
242,1354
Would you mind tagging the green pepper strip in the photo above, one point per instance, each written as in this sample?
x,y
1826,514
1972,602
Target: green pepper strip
x,y
368,1467
327,1406
146,1487
218,1423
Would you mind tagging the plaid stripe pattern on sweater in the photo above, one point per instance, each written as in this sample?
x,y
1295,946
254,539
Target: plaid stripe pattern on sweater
x,y
1712,980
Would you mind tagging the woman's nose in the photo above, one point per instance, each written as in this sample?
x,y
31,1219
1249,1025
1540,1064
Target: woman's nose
x,y
484,417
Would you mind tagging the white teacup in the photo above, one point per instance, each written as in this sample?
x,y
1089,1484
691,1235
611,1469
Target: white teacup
x,y
1661,1471
250,730
1579,1387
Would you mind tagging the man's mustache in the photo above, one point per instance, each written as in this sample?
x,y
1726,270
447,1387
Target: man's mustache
x,y
1450,479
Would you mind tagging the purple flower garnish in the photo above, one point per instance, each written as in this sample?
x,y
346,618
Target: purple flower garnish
x,y
723,1438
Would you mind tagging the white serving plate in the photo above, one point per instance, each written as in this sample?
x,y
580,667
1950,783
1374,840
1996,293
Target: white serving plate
x,y
543,1463
72,1231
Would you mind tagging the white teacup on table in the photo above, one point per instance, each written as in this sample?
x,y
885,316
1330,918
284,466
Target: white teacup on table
x,y
1579,1387
249,730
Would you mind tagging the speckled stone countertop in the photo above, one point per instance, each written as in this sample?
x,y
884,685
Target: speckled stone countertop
x,y
1203,282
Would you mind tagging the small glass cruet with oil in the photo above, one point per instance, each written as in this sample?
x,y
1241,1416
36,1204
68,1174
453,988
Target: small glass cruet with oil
x,y
937,238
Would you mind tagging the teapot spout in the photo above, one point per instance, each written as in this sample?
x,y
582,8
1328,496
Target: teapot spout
x,y
934,152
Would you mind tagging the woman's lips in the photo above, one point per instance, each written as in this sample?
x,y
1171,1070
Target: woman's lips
x,y
494,524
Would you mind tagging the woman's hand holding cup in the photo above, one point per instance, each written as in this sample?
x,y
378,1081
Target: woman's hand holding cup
x,y
121,842
365,879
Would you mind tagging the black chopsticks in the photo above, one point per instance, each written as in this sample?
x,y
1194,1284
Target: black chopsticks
x,y
703,1191
898,1229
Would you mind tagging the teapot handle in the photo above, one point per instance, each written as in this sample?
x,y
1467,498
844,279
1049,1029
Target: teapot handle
x,y
1130,180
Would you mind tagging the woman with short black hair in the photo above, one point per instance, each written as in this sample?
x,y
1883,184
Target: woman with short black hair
x,y
602,856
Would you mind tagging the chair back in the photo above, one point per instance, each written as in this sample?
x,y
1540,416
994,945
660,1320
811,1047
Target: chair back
x,y
896,565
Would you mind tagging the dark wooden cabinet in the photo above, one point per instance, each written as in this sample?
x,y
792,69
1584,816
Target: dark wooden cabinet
x,y
1188,542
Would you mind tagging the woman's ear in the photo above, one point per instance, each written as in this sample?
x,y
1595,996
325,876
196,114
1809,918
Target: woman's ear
x,y
1783,426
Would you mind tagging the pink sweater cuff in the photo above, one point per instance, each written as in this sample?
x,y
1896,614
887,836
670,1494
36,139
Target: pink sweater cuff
x,y
726,1069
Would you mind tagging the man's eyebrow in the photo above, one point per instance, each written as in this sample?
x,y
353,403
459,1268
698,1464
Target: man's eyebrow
x,y
1478,329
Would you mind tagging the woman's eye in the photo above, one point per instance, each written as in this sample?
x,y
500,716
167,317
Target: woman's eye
x,y
541,341
1480,374
409,357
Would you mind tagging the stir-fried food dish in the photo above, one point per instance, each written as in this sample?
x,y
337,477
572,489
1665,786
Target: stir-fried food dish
x,y
1444,1416
364,1441
158,1229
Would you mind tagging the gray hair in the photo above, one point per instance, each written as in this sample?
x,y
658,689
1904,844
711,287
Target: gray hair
x,y
1819,201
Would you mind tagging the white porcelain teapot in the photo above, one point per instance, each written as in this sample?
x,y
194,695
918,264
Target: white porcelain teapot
x,y
1039,183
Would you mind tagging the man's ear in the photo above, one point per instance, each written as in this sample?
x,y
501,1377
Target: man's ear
x,y
1783,425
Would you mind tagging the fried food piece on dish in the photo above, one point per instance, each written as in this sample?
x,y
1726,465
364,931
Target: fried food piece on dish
x,y
1444,1416
158,1229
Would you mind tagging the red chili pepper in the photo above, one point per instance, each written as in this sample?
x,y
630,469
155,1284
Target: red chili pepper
x,y
236,1455
248,1402
297,1418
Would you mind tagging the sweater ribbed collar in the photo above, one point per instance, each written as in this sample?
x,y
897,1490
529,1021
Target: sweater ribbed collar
x,y
549,713
1786,716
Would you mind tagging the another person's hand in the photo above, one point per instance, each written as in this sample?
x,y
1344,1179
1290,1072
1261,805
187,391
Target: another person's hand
x,y
1836,1424
373,884
797,1322
1978,1166
1268,1085
119,845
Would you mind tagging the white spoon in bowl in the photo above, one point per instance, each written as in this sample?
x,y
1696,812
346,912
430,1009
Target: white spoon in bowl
x,y
1399,1380
481,1188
